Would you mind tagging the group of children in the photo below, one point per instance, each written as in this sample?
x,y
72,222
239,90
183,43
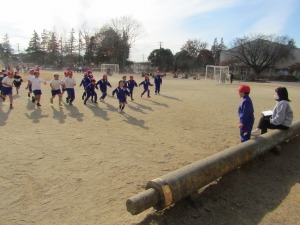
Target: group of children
x,y
7,81
280,118
67,83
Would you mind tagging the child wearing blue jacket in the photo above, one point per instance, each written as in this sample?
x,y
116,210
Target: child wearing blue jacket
x,y
84,82
130,86
158,82
246,113
122,94
103,83
90,91
146,84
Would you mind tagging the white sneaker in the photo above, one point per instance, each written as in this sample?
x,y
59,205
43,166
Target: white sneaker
x,y
256,132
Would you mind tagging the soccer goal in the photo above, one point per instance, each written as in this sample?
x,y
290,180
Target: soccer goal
x,y
109,69
219,73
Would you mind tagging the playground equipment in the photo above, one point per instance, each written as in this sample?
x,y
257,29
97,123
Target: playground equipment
x,y
174,186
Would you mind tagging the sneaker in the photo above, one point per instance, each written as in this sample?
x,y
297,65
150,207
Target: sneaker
x,y
11,107
38,104
84,102
28,94
70,103
51,100
256,132
33,99
103,101
119,110
141,96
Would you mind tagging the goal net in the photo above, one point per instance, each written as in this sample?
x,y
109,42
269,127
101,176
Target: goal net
x,y
109,69
219,73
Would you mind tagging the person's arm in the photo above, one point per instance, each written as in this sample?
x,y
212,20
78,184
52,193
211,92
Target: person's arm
x,y
246,112
279,113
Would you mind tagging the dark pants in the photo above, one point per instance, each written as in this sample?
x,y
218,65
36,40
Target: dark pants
x,y
148,92
131,94
265,124
104,93
157,88
89,94
71,94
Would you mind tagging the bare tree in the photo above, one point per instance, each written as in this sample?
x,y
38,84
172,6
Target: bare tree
x,y
129,30
261,51
193,47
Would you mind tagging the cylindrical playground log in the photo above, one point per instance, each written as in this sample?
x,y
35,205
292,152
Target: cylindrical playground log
x,y
174,186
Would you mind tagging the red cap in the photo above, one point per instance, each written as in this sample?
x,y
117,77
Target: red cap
x,y
244,88
66,73
89,71
10,72
93,79
70,72
104,75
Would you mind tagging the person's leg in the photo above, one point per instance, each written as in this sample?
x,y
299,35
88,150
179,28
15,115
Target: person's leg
x,y
148,91
11,101
59,99
72,95
143,93
131,95
86,98
95,97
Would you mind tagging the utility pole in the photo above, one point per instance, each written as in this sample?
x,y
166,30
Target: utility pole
x,y
160,43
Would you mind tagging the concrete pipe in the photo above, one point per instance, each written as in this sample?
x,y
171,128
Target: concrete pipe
x,y
174,186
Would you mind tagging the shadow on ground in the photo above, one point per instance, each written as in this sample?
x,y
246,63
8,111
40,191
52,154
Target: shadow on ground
x,y
244,196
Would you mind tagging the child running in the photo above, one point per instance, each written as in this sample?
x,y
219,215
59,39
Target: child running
x,y
146,84
90,91
103,83
17,81
84,82
55,85
29,86
69,84
122,93
7,86
36,87
130,85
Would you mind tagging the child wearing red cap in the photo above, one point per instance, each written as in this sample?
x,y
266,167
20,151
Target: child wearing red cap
x,y
103,83
90,91
130,85
122,94
246,113
7,84
146,84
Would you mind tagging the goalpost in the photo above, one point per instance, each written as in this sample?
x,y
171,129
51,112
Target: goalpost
x,y
219,73
109,69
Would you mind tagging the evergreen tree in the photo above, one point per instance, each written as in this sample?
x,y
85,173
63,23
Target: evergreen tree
x,y
45,36
53,50
34,49
6,51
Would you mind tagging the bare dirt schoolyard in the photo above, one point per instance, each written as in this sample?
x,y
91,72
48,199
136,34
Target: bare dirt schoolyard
x,y
79,164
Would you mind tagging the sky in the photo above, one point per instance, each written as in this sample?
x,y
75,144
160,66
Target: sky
x,y
166,23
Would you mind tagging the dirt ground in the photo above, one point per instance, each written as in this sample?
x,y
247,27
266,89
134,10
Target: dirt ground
x,y
79,164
